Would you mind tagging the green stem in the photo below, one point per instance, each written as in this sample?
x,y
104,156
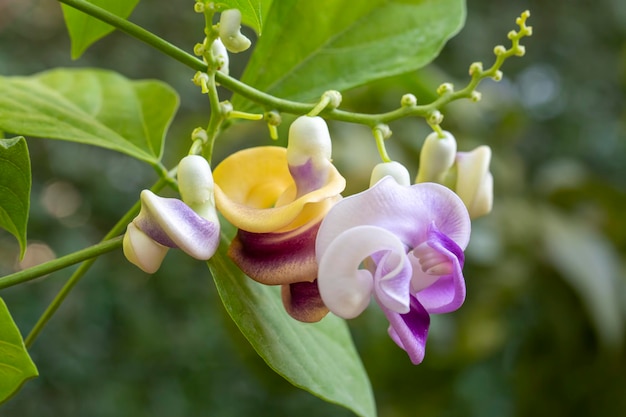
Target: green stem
x,y
138,32
60,263
217,117
267,100
119,227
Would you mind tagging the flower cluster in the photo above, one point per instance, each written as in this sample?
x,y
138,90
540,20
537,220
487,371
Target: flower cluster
x,y
396,243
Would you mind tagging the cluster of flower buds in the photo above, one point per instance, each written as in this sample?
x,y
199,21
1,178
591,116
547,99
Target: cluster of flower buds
x,y
466,173
399,243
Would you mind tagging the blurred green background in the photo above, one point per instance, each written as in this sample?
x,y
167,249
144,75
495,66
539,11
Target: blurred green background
x,y
542,330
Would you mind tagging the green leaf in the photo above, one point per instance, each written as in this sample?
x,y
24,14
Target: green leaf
x,y
16,366
84,30
15,182
590,264
252,11
91,106
309,47
318,357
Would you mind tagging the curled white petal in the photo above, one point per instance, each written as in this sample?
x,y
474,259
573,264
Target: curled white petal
x,y
474,181
394,169
346,289
230,31
436,158
142,251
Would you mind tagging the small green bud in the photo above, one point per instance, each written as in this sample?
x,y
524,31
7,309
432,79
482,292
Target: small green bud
x,y
408,100
499,50
198,49
384,130
497,76
520,51
273,118
445,88
435,118
201,79
198,7
225,107
475,96
334,98
476,68
199,134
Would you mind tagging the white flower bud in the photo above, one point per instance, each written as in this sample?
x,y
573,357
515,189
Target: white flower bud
x,y
230,31
309,139
394,169
195,183
474,181
221,55
437,157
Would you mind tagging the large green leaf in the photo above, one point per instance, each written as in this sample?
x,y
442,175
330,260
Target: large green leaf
x,y
16,367
85,30
589,263
319,357
252,11
91,106
15,182
309,47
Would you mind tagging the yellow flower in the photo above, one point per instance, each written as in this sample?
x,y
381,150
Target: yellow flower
x,y
277,198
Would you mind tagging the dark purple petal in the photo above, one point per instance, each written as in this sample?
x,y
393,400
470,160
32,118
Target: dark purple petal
x,y
448,292
303,302
410,330
277,258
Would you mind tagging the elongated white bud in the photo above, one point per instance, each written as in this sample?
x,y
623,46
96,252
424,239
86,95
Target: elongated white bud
x,y
195,183
394,169
437,157
308,153
230,31
221,54
309,138
474,181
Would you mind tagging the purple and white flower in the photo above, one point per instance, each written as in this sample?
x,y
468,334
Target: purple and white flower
x,y
402,245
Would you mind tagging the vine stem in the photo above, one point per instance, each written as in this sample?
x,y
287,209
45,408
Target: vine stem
x,y
269,101
86,265
60,263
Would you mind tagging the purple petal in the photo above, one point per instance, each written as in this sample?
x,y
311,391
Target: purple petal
x,y
410,330
448,292
309,177
172,223
303,302
277,258
392,280
405,211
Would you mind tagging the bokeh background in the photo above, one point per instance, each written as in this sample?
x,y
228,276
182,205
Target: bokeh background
x,y
542,330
